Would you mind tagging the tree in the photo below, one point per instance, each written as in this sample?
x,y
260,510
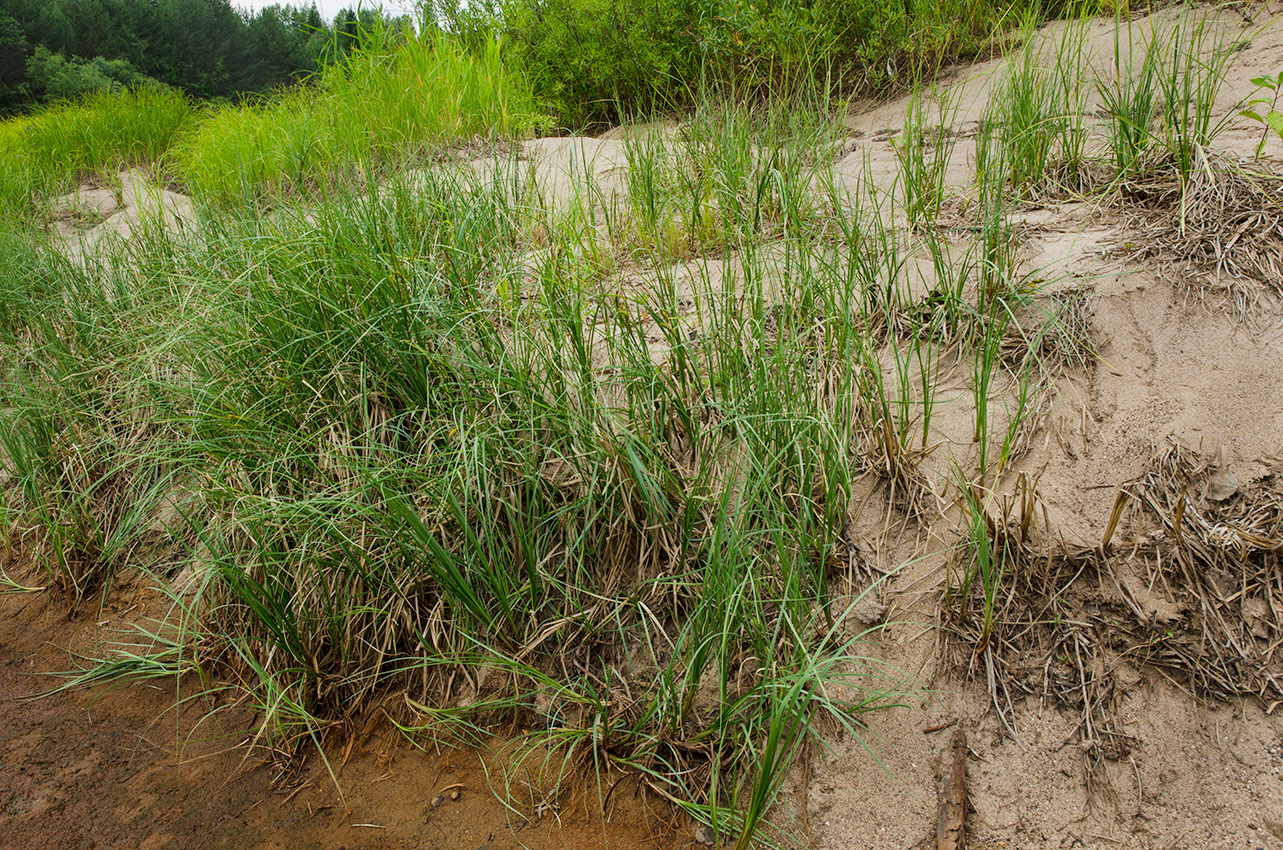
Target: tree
x,y
55,77
14,52
205,47
203,42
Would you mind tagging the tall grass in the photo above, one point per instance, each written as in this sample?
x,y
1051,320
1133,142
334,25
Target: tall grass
x,y
1130,97
400,99
403,452
923,152
1163,89
1036,111
88,434
426,477
94,136
511,457
1196,56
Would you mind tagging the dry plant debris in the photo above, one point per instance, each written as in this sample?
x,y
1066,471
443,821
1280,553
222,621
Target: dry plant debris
x,y
1216,550
1067,627
1219,230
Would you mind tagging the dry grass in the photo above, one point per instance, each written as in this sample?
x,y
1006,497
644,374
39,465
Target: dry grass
x,y
1221,230
1215,551
1072,626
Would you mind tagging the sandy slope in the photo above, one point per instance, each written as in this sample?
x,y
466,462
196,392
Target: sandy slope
x,y
1171,366
86,217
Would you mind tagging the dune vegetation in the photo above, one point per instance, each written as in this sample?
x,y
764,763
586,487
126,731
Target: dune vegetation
x,y
567,439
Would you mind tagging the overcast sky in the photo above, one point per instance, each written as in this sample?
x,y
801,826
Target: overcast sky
x,y
330,8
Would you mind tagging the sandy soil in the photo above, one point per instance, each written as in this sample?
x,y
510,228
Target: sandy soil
x,y
1171,366
121,769
132,202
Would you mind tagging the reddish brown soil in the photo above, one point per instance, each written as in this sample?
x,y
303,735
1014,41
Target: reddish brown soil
x,y
121,769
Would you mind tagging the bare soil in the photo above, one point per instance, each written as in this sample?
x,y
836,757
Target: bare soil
x,y
121,769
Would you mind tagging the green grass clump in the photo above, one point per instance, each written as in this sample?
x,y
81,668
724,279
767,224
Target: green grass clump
x,y
90,438
1035,120
923,152
97,134
393,99
425,459
1160,101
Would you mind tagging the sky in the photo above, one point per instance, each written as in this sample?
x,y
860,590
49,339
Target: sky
x,y
330,8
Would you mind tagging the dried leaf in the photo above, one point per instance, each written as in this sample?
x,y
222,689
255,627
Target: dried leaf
x,y
1221,485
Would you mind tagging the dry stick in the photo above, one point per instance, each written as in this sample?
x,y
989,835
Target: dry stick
x,y
1119,501
1082,681
1125,592
951,817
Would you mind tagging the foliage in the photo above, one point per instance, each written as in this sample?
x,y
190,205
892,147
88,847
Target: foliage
x,y
1270,117
605,61
205,47
407,430
404,449
54,77
14,51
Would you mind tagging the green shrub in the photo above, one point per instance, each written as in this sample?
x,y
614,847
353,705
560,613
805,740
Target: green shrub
x,y
604,61
598,62
60,78
1270,118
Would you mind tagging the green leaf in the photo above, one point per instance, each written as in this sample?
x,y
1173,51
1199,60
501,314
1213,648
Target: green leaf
x,y
1247,113
1264,82
1274,119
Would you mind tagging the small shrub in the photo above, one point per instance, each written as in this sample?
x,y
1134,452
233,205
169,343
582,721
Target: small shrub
x,y
596,62
605,61
1270,117
60,78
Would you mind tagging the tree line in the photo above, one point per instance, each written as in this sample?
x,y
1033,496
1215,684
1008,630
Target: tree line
x,y
54,49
